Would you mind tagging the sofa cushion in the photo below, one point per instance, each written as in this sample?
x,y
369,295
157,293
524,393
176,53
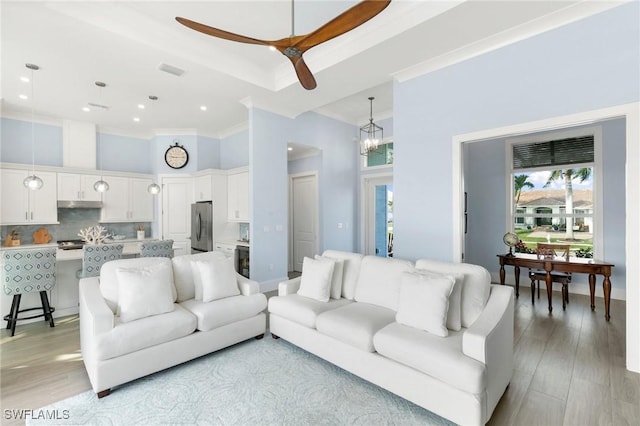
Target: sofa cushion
x,y
127,337
302,310
380,279
475,287
453,314
439,357
315,281
214,279
424,302
183,276
351,270
109,278
225,311
144,291
355,324
336,277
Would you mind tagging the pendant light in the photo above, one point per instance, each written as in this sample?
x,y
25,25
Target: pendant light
x,y
154,188
32,182
101,185
371,134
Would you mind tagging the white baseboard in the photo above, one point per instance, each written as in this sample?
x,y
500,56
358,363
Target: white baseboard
x,y
271,285
574,288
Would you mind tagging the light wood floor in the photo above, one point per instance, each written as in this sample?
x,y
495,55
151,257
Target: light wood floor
x,y
569,366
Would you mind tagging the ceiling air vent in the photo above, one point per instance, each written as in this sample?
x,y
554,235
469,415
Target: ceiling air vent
x,y
171,69
91,104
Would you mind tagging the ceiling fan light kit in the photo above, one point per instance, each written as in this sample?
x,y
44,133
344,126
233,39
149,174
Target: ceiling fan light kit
x,y
293,47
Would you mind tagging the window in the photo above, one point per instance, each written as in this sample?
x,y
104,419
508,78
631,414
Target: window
x,y
552,188
383,156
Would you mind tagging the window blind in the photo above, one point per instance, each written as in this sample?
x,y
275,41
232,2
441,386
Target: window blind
x,y
559,152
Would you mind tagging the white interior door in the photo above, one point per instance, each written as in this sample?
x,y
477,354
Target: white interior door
x,y
304,218
177,196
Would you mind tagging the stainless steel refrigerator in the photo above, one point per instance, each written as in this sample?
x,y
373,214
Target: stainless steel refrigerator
x,y
201,227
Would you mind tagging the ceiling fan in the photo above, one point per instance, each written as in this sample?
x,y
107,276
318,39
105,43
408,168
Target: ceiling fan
x,y
294,46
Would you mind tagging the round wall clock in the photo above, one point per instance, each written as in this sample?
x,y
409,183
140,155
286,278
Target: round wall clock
x,y
176,156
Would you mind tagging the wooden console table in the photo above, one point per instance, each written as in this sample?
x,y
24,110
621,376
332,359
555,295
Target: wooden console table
x,y
579,265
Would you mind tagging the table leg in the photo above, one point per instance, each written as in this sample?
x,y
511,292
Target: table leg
x,y
501,274
592,290
549,284
606,286
516,271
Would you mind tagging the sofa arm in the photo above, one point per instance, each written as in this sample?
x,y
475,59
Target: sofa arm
x,y
95,315
247,287
288,287
490,341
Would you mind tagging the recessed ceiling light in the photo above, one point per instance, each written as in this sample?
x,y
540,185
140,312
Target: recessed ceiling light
x,y
23,97
289,149
272,48
140,106
86,109
136,119
24,79
203,108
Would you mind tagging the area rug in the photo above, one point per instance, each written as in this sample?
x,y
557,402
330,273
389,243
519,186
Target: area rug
x,y
257,382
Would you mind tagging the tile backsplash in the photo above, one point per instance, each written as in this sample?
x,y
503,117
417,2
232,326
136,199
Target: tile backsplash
x,y
243,232
71,222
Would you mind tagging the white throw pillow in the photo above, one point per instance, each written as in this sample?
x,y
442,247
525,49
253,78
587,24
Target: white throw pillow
x,y
214,279
336,278
454,314
315,282
143,292
424,301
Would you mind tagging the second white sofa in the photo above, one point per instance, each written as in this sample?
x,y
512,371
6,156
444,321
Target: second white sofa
x,y
363,329
120,344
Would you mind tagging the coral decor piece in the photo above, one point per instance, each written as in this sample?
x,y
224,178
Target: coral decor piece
x,y
94,234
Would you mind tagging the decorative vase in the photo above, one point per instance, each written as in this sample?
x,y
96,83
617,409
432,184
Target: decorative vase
x,y
141,235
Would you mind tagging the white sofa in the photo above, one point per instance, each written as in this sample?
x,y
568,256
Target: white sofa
x,y
460,377
116,351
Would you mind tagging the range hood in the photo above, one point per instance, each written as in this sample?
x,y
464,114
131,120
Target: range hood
x,y
79,204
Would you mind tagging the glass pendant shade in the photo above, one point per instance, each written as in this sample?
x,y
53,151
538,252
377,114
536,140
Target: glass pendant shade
x,y
32,182
101,186
154,189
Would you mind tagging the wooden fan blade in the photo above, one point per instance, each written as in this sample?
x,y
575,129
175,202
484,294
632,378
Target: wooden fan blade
x,y
304,74
352,18
215,32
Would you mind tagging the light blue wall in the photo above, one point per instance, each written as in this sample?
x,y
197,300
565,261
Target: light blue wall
x,y
337,173
590,64
485,175
234,150
123,153
208,153
15,142
307,164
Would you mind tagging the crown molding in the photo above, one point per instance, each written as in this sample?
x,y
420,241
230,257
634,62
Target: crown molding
x,y
564,16
229,131
40,119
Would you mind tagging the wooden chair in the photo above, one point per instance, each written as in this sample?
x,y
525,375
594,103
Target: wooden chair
x,y
161,248
544,250
96,255
28,271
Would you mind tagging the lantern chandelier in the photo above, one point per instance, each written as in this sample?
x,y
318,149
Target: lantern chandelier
x,y
371,134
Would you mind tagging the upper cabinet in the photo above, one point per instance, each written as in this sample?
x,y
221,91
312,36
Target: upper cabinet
x,y
127,200
77,187
202,189
22,206
238,197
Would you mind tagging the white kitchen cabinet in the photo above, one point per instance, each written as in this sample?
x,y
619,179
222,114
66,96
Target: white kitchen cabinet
x,y
24,206
77,187
228,249
202,190
127,200
238,197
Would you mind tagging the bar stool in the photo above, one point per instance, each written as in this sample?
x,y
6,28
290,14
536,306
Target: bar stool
x,y
28,271
160,248
96,255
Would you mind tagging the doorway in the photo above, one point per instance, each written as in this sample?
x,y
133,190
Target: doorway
x,y
378,205
303,202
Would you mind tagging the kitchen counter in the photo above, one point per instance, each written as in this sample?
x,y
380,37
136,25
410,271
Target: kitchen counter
x,y
234,243
130,249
